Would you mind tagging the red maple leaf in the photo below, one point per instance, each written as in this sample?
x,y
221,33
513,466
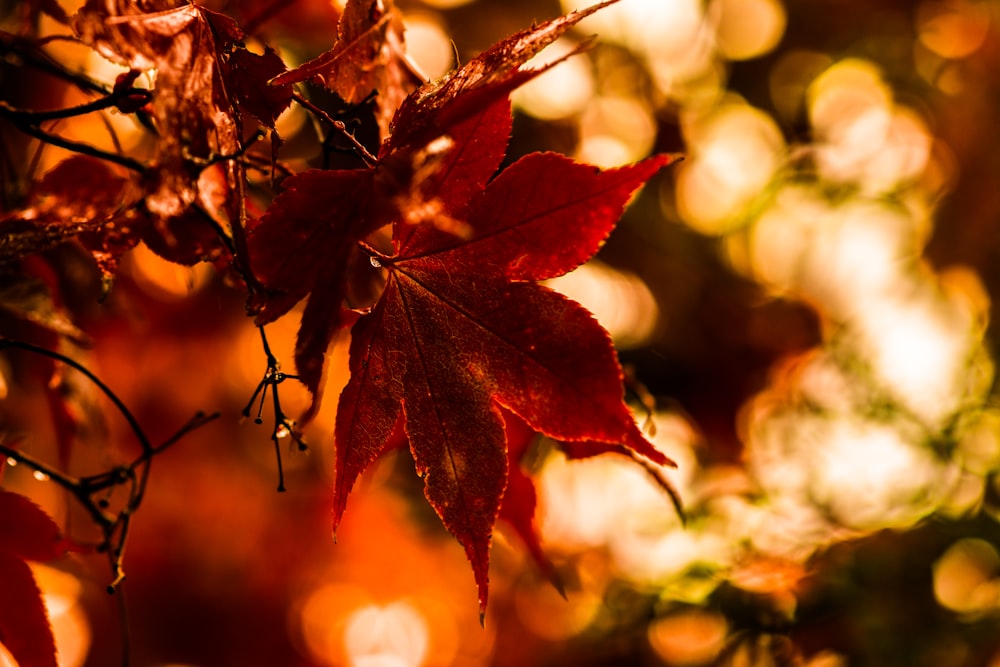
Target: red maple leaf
x,y
367,58
26,533
461,330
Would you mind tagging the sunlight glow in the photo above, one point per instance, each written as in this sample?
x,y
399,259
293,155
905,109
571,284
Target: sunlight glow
x,y
748,28
609,502
615,131
563,90
166,281
670,34
735,153
553,617
868,477
863,136
921,350
692,637
61,593
860,473
953,29
427,42
394,635
320,624
967,577
620,301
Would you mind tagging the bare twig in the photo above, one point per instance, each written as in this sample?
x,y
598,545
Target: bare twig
x,y
283,425
85,149
90,491
34,117
338,125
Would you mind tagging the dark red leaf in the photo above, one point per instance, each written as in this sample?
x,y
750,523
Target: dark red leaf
x,y
194,115
459,332
368,58
304,244
24,624
246,73
26,531
434,108
83,198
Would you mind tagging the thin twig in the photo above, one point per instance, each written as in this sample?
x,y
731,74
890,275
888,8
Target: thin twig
x,y
85,149
114,528
283,425
338,125
45,352
29,117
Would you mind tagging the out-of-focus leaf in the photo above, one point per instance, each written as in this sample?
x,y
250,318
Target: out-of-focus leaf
x,y
26,531
24,624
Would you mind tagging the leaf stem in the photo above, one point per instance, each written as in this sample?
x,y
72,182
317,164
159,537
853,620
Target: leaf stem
x,y
338,125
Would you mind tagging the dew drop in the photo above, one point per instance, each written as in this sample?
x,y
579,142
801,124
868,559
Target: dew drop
x,y
374,260
40,476
11,461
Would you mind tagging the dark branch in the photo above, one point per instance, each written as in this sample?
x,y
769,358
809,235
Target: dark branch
x,y
338,125
85,149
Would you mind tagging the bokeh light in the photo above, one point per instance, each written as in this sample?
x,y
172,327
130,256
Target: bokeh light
x,y
747,28
561,91
166,281
620,301
967,577
427,43
735,152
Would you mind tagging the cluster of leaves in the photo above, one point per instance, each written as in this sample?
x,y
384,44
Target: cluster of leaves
x,y
422,249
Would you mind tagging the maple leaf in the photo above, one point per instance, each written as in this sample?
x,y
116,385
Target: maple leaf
x,y
492,75
367,58
306,243
246,73
26,533
462,328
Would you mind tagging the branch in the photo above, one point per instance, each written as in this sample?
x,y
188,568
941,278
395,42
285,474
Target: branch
x,y
114,527
85,149
338,125
45,352
111,100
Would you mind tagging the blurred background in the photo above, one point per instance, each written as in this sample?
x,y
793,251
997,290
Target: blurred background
x,y
808,296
